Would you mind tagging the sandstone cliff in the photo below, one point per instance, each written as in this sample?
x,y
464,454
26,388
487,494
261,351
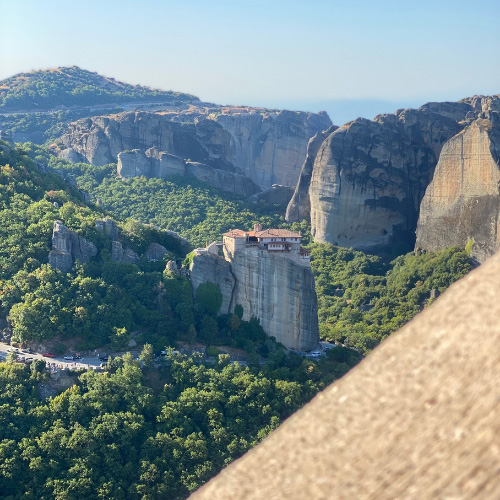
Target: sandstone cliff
x,y
269,147
154,163
68,247
208,268
100,139
462,202
273,288
362,184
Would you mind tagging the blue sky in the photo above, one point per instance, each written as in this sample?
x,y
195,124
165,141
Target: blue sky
x,y
293,53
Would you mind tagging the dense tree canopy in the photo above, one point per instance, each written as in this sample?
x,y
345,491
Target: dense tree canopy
x,y
76,87
362,300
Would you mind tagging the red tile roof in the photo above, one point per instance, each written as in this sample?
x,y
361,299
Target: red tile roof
x,y
235,233
268,233
280,233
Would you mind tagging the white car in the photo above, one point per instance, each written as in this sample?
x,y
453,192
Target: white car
x,y
69,358
315,354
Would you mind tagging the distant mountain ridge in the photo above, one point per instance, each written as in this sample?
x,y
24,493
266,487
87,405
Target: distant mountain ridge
x,y
73,86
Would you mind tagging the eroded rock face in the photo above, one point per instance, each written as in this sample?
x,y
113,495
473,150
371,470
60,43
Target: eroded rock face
x,y
270,147
100,139
280,293
362,184
275,289
67,246
155,251
209,268
462,202
120,254
154,163
299,206
222,179
267,147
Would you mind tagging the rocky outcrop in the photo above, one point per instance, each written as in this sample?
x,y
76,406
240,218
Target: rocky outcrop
x,y
275,289
155,251
362,184
210,268
100,139
275,195
269,146
280,293
222,179
299,206
154,163
68,247
149,163
109,227
125,255
266,147
462,202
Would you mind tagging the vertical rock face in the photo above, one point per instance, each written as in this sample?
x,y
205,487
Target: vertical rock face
x,y
108,227
462,202
362,184
100,139
266,147
68,246
154,163
270,148
209,268
299,207
120,254
280,293
274,289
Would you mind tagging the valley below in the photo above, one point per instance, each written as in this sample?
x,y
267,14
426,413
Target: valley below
x,y
230,261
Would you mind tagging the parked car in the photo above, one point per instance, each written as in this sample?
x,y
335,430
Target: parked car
x,y
69,358
49,355
315,354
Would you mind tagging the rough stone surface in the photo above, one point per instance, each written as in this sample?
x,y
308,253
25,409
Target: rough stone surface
x,y
276,195
67,246
274,289
269,147
222,179
108,227
100,139
299,206
155,251
417,419
172,267
120,254
363,185
70,155
280,293
462,202
208,268
266,147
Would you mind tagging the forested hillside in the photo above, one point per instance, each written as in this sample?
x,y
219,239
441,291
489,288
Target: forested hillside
x,y
194,209
74,86
161,426
362,300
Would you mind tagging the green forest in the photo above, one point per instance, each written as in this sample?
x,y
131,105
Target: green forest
x,y
147,433
74,86
160,426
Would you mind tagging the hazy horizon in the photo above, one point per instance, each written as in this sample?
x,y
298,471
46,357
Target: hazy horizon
x,y
373,57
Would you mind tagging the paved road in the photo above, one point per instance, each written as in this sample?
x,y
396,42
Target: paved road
x,y
58,361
